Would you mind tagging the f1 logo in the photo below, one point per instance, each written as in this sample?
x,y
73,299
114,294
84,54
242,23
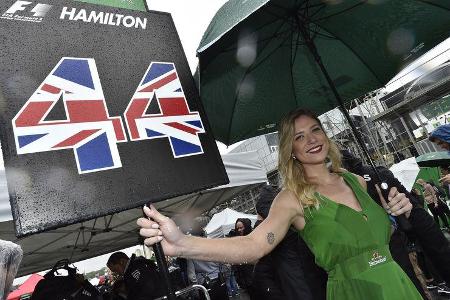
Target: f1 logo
x,y
39,10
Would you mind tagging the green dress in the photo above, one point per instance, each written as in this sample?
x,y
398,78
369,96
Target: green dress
x,y
352,247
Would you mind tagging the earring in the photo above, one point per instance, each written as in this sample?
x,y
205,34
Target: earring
x,y
293,157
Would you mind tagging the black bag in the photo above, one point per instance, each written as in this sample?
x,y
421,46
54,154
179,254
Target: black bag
x,y
217,289
69,287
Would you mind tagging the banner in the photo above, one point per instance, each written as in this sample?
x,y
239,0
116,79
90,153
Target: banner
x,y
98,113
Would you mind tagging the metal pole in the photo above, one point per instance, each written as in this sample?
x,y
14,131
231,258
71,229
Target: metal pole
x,y
163,270
369,132
408,132
402,220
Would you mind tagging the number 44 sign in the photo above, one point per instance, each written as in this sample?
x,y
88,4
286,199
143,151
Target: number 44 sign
x,y
89,129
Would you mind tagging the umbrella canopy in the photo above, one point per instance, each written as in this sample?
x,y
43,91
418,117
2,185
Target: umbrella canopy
x,y
434,159
256,61
222,222
406,172
26,288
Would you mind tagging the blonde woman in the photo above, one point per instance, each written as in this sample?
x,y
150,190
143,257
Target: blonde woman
x,y
345,229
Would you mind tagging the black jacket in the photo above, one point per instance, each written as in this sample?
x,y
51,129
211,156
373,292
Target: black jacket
x,y
142,279
299,275
289,272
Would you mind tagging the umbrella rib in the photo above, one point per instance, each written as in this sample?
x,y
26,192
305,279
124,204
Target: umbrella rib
x,y
251,68
322,6
293,57
276,19
341,12
361,60
433,4
281,33
337,38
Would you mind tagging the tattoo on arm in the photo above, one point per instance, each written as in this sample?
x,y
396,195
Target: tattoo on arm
x,y
270,238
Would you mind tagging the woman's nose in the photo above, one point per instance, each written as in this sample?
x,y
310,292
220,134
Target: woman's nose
x,y
311,138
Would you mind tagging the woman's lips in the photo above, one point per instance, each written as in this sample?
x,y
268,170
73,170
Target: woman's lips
x,y
315,150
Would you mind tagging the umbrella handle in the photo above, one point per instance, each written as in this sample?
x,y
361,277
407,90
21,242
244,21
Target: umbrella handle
x,y
403,222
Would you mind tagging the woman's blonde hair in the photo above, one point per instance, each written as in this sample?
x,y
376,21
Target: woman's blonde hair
x,y
291,170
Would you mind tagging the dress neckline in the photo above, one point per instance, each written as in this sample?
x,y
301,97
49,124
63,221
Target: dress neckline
x,y
359,212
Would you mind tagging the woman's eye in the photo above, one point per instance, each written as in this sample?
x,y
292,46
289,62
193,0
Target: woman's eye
x,y
299,137
316,129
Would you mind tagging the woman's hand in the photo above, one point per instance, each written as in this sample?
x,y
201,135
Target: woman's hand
x,y
161,229
398,202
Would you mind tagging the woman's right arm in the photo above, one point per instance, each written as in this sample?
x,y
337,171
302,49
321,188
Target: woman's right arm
x,y
284,211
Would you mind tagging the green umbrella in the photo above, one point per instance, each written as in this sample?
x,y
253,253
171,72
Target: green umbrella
x,y
259,59
434,159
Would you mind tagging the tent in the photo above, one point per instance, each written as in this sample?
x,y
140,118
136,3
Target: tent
x,y
118,231
26,288
222,222
406,172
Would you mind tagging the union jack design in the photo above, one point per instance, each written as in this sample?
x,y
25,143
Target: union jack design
x,y
175,120
88,129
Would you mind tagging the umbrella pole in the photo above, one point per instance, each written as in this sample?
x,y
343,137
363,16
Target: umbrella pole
x,y
403,221
163,269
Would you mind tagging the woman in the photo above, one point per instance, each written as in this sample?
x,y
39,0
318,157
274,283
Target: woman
x,y
441,136
243,226
345,229
243,272
438,208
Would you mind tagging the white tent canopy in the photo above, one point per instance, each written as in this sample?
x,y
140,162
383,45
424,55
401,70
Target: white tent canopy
x,y
118,231
222,222
406,172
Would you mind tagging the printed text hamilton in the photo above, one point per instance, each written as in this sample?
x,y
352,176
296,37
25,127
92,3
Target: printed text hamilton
x,y
104,18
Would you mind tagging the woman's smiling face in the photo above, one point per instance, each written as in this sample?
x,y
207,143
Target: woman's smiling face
x,y
310,144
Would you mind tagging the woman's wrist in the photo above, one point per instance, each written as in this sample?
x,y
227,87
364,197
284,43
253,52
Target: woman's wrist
x,y
181,248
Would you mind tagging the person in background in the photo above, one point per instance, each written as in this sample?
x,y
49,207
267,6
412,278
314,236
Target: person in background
x,y
347,232
445,172
244,272
438,208
10,258
266,283
232,286
289,271
140,276
208,274
441,136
